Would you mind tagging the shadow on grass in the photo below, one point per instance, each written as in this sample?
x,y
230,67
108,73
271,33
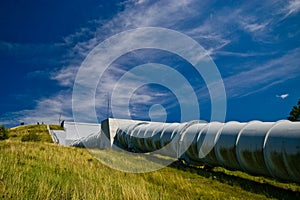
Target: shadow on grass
x,y
265,188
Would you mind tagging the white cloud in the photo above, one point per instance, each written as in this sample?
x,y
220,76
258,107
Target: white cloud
x,y
212,29
282,96
292,8
65,76
255,27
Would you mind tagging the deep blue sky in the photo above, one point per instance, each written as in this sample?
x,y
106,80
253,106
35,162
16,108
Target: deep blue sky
x,y
254,44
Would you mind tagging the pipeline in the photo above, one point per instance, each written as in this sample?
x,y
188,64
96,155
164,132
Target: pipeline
x,y
91,141
270,149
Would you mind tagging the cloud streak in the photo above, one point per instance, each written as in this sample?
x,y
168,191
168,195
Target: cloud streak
x,y
292,8
275,71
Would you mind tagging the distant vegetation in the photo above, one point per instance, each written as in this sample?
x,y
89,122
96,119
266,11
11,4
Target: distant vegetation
x,y
3,133
41,170
295,113
55,127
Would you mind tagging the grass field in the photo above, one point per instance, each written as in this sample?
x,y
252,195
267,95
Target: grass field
x,y
43,170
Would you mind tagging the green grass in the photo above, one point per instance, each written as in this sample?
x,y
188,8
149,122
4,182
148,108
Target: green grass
x,y
55,127
41,170
39,132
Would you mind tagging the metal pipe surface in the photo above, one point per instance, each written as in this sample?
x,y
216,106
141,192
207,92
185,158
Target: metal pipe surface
x,y
259,148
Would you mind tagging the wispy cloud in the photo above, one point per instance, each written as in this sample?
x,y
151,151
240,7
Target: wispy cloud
x,y
292,8
254,28
65,76
214,30
242,54
261,77
131,17
274,71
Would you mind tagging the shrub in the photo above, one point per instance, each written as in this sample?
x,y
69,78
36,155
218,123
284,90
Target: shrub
x,y
13,135
3,133
295,113
31,137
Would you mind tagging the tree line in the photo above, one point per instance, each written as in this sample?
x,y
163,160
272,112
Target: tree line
x,y
295,113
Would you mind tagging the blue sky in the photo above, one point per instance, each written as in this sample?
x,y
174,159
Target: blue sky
x,y
255,46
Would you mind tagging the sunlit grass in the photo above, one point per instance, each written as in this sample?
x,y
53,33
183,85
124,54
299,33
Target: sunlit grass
x,y
131,162
55,127
47,171
40,170
20,132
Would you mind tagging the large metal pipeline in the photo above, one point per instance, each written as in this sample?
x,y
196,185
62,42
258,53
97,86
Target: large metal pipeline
x,y
259,148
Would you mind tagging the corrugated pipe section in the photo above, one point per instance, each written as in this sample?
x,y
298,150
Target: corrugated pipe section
x,y
258,148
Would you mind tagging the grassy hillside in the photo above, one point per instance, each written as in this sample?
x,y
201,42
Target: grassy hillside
x,y
37,133
41,170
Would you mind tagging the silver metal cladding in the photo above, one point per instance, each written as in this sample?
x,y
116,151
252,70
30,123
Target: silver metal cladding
x,y
259,148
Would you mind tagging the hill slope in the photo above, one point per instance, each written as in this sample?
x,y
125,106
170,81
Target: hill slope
x,y
40,170
37,133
